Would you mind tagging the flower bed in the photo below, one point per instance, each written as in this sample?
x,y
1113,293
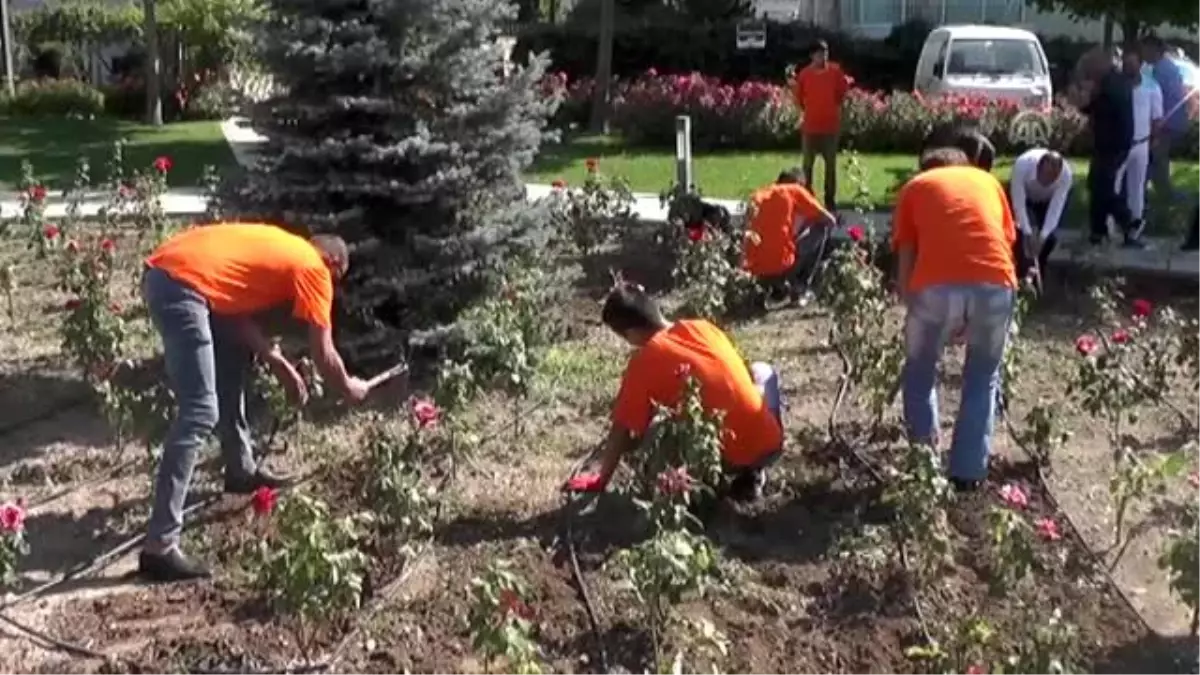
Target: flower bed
x,y
761,115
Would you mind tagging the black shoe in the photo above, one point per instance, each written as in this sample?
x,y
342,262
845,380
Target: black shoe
x,y
747,486
1097,239
962,485
173,565
261,478
1189,246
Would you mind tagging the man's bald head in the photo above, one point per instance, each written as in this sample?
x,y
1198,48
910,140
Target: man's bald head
x,y
1049,168
334,252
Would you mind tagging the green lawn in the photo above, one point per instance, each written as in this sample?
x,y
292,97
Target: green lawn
x,y
734,175
54,146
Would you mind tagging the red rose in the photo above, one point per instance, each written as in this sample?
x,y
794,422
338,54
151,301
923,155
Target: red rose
x,y
592,164
1047,529
511,603
73,304
675,481
695,232
1142,308
1085,345
1120,336
856,233
107,245
37,193
50,231
559,184
162,164
12,517
425,412
263,500
115,307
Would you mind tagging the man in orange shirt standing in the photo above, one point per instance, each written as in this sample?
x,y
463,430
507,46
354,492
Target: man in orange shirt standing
x,y
819,90
953,234
202,288
747,394
783,216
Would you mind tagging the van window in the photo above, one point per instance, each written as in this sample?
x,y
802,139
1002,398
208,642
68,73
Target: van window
x,y
995,57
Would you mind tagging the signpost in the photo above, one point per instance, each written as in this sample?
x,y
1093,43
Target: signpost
x,y
683,153
752,35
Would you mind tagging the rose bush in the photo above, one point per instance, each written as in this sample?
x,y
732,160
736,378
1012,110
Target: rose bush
x,y
761,115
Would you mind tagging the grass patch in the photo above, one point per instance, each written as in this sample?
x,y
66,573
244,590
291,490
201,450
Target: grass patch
x,y
54,145
734,175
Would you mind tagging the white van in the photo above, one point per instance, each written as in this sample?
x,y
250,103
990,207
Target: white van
x,y
995,62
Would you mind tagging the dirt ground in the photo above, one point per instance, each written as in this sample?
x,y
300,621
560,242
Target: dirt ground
x,y
793,607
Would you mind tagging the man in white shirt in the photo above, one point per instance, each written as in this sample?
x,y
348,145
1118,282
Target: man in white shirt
x,y
1147,120
1039,186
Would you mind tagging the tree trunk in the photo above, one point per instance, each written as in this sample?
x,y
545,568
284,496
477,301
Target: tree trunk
x,y
153,68
1131,26
1108,33
10,78
600,96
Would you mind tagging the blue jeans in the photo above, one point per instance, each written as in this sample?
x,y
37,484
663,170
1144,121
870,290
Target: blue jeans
x,y
934,313
207,367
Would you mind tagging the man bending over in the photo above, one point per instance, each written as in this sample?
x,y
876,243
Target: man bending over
x,y
748,395
1041,181
202,288
783,218
953,234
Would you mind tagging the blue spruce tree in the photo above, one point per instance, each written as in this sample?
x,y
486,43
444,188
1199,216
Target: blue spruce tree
x,y
399,129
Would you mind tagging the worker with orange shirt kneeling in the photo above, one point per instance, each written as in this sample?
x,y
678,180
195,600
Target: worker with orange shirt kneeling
x,y
785,218
747,394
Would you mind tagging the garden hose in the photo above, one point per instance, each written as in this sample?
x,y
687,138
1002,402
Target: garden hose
x,y
571,506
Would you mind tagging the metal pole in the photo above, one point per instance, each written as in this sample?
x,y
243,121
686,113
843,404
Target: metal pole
x,y
683,154
10,82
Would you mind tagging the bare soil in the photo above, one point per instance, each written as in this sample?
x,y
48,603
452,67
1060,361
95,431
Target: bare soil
x,y
794,604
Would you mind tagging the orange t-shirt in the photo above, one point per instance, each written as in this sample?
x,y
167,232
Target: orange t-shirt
x,y
819,93
959,221
244,268
771,246
655,374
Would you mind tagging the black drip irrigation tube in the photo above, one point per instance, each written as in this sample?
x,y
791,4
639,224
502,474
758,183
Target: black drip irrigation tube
x,y
838,441
57,409
570,508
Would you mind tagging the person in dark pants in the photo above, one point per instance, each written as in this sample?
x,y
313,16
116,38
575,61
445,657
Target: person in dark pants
x,y
1038,191
1192,243
1106,97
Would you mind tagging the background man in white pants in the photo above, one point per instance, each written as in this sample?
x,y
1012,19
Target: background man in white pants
x,y
1147,120
1038,189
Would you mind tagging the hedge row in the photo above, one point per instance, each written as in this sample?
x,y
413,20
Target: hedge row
x,y
711,49
126,99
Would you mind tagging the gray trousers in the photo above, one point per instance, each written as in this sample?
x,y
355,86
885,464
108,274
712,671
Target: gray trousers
x,y
1160,166
825,145
207,367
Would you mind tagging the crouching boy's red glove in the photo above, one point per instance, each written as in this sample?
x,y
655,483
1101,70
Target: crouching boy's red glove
x,y
585,482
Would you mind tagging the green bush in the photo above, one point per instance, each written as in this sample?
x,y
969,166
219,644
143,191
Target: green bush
x,y
54,98
211,100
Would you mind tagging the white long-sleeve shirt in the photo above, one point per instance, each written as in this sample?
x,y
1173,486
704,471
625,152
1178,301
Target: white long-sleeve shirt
x,y
1025,188
1147,108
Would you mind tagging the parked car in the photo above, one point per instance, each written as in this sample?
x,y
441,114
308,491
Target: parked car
x,y
996,62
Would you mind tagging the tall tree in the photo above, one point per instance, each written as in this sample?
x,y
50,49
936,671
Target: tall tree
x,y
1133,16
604,47
399,131
153,66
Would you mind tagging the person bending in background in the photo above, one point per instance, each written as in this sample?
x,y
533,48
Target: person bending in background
x,y
664,354
785,219
1106,97
819,90
1170,81
953,234
1040,184
202,288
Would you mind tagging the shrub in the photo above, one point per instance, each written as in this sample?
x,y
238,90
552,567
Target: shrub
x,y
760,115
54,98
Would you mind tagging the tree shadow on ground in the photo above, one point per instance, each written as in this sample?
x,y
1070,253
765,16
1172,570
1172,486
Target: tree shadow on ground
x,y
65,539
42,410
1151,653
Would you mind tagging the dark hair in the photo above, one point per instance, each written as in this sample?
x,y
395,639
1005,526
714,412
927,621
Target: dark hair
x,y
629,307
934,158
1131,48
331,244
792,175
819,46
966,137
1050,156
